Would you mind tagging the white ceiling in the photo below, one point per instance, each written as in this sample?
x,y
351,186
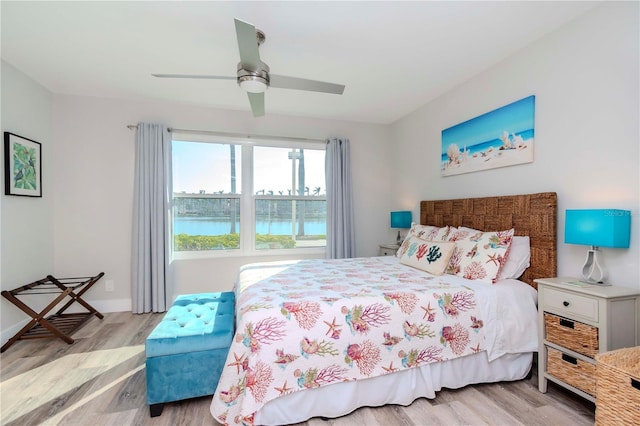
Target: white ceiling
x,y
393,57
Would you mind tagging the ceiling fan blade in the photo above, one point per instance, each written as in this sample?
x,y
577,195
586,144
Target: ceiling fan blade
x,y
284,82
212,77
257,103
248,46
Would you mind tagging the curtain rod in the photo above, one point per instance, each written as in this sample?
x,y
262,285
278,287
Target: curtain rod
x,y
238,135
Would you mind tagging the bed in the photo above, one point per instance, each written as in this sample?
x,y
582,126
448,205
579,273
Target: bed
x,y
323,337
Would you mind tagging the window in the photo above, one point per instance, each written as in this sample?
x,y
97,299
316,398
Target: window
x,y
247,198
290,204
206,196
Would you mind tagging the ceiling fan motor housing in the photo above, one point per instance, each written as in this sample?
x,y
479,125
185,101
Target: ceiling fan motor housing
x,y
253,81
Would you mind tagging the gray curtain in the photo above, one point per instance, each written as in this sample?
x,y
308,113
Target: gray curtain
x,y
152,220
340,224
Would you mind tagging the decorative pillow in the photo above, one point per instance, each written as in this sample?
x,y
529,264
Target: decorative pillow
x,y
429,256
479,255
424,232
517,259
460,233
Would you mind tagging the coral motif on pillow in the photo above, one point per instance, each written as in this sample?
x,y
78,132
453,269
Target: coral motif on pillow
x,y
460,233
429,256
424,232
479,255
430,233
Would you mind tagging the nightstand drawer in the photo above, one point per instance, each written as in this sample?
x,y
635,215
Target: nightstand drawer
x,y
573,371
388,249
570,334
572,304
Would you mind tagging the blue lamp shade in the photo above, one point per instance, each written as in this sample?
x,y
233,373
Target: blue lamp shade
x,y
401,219
599,228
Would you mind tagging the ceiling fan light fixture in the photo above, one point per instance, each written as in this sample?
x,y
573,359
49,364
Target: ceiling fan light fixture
x,y
253,81
253,84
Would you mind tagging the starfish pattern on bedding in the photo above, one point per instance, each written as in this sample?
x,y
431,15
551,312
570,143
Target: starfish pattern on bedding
x,y
284,389
390,368
238,363
495,258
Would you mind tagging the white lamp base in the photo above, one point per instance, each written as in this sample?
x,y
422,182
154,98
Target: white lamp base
x,y
592,272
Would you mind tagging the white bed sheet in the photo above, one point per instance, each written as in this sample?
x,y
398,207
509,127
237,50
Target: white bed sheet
x,y
513,319
508,357
408,385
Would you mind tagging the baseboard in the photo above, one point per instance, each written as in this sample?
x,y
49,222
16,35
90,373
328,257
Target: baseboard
x,y
8,333
112,305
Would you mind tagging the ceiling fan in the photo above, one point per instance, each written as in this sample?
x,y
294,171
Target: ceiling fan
x,y
254,75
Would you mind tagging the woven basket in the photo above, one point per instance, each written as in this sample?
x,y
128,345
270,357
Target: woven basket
x,y
576,372
574,335
618,387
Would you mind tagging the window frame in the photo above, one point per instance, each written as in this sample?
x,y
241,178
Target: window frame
x,y
247,198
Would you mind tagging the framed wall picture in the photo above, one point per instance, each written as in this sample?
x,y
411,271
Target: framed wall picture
x,y
22,166
499,138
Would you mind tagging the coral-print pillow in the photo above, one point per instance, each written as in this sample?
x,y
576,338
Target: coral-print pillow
x,y
424,232
429,256
460,233
479,255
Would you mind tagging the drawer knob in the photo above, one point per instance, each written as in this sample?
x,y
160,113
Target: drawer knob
x,y
565,303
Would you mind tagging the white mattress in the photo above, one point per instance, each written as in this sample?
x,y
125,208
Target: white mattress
x,y
340,399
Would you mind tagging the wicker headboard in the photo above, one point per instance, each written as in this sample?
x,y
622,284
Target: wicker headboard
x,y
529,214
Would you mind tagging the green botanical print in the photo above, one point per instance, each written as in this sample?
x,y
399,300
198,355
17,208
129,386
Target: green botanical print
x,y
24,167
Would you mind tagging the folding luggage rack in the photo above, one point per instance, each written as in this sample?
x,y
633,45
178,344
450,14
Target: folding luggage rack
x,y
59,324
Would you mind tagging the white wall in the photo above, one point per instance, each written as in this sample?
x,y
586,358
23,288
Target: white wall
x,y
27,223
94,186
585,77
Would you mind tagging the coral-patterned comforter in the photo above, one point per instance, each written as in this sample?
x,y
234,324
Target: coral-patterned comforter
x,y
310,323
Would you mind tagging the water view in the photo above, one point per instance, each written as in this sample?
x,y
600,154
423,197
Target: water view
x,y
213,226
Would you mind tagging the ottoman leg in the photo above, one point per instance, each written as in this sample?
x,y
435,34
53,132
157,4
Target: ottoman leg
x,y
155,409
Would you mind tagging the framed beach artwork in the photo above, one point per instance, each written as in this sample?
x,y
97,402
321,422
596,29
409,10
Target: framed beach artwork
x,y
22,166
499,138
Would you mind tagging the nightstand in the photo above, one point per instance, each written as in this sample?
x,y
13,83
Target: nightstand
x,y
575,323
388,249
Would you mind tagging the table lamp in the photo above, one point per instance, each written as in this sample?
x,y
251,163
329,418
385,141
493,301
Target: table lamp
x,y
597,228
400,220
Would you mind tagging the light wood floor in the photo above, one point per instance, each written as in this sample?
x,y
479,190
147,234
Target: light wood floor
x,y
100,380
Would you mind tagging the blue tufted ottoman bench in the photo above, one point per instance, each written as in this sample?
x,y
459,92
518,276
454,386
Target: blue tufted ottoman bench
x,y
188,348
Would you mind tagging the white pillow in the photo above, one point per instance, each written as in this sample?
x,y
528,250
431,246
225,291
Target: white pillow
x,y
517,259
